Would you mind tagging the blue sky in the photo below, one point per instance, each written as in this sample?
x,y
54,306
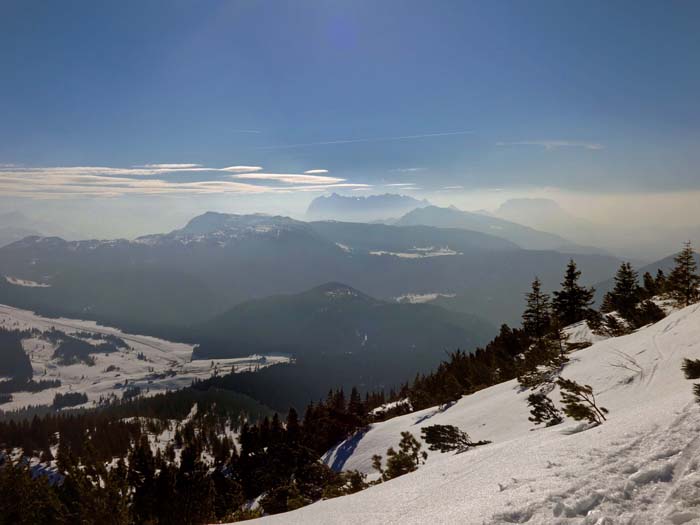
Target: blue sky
x,y
434,96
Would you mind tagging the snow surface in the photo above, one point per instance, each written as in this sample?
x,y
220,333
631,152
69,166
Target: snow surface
x,y
25,282
642,466
416,298
418,253
581,333
165,365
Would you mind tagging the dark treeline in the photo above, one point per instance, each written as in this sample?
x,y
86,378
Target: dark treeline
x,y
294,384
175,484
14,362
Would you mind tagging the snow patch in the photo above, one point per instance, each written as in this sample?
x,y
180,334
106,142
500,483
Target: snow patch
x,y
25,282
416,298
418,253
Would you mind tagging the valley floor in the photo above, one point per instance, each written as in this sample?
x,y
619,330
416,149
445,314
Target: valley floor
x,y
642,466
151,364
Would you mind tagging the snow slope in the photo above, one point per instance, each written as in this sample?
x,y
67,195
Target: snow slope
x,y
162,366
641,466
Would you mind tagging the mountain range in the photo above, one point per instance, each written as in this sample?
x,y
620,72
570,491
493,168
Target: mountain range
x,y
371,207
334,319
188,276
337,335
523,236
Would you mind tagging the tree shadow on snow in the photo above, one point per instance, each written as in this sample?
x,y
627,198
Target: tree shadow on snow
x,y
344,450
440,410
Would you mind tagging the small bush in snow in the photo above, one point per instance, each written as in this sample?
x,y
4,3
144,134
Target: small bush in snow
x,y
691,368
579,402
614,327
348,482
647,312
447,438
407,459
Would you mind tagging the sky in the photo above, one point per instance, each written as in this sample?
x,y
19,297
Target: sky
x,y
249,105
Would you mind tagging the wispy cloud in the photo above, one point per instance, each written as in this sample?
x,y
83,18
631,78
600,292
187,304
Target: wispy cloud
x,y
400,184
170,166
554,144
368,139
241,169
315,172
290,178
94,181
407,170
137,171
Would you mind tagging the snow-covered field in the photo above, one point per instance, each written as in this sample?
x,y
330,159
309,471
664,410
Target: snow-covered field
x,y
25,282
154,365
642,466
416,298
418,253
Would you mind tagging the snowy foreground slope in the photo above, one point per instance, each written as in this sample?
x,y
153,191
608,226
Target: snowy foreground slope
x,y
151,364
641,466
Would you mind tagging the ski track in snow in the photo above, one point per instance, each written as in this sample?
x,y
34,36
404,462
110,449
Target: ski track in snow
x,y
640,467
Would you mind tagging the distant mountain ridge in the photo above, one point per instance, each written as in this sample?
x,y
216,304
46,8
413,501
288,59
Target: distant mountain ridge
x,y
16,225
338,336
364,208
176,280
336,319
544,214
523,236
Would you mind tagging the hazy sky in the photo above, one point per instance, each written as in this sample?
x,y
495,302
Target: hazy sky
x,y
271,103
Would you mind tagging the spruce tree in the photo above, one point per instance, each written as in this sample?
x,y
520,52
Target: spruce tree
x,y
660,281
683,282
625,295
649,288
537,315
355,406
572,303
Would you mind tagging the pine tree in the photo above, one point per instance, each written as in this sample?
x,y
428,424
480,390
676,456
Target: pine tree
x,y
625,295
579,402
142,477
194,488
447,438
537,315
26,501
292,426
649,286
683,282
572,303
355,405
660,281
542,410
407,459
